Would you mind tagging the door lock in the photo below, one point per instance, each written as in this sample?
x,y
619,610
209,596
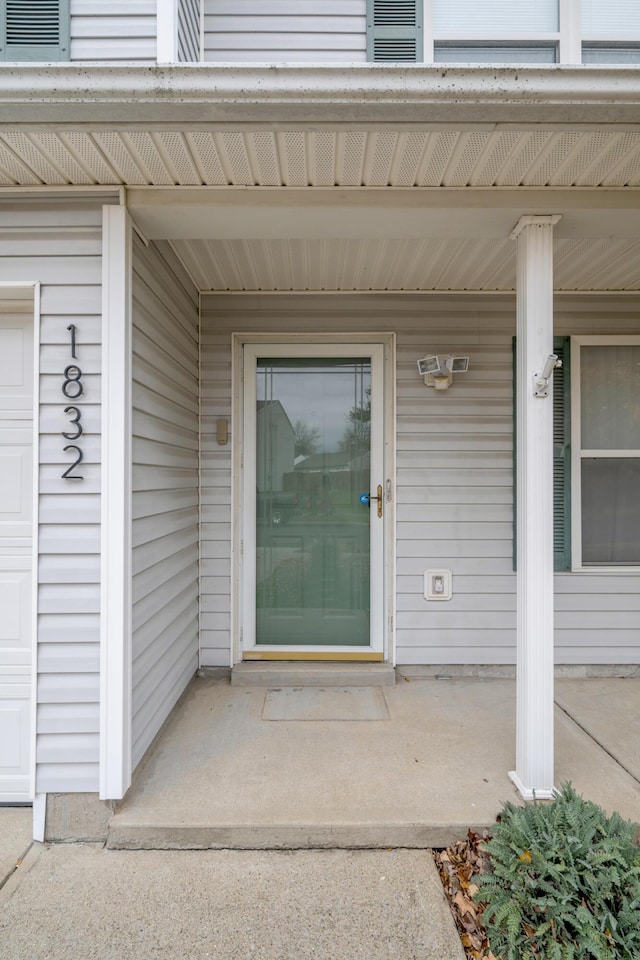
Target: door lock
x,y
366,499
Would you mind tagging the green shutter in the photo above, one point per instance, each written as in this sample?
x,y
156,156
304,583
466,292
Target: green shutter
x,y
561,457
34,30
514,449
394,30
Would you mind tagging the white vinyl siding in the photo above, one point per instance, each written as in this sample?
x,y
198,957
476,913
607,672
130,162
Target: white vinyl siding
x,y
165,488
285,31
118,30
189,31
454,477
59,244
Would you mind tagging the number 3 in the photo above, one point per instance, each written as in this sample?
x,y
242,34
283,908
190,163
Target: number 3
x,y
75,421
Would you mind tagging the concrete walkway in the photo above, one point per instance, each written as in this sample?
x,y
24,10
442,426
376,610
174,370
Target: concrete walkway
x,y
82,902
16,830
413,765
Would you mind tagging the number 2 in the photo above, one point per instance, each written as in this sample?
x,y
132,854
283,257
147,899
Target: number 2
x,y
67,473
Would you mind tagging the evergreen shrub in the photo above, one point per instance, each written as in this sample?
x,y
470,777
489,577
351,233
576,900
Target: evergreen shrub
x,y
564,883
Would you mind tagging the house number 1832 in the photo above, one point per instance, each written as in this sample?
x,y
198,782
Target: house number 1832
x,y
72,389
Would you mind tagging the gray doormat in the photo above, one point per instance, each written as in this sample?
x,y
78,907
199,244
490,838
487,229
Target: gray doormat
x,y
325,703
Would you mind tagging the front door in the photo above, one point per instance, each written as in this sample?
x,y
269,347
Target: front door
x,y
313,523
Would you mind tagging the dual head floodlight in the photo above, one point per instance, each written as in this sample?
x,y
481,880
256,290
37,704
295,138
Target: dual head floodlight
x,y
438,371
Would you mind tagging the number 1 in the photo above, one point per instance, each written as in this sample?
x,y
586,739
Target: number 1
x,y
72,328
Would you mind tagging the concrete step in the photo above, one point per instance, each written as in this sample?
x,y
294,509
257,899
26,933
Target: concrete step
x,y
125,834
287,674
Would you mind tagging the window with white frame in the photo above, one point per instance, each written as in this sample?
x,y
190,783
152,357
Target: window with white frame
x,y
605,431
501,31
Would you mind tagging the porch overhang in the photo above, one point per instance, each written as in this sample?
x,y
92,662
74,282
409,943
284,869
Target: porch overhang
x,y
430,166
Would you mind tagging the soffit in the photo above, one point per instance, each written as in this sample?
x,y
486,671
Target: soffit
x,y
401,265
541,156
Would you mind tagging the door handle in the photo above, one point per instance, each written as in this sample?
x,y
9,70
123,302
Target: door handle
x,y
366,499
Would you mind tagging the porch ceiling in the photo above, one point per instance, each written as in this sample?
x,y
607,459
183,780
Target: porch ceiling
x,y
400,265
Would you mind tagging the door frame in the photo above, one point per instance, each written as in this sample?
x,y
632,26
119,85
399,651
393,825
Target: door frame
x,y
387,342
32,288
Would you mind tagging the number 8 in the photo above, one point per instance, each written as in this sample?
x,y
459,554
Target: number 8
x,y
72,375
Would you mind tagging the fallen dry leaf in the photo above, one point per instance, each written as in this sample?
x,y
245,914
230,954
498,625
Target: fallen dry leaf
x,y
457,866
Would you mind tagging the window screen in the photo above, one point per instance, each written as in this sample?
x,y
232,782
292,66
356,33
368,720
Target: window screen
x,y
494,53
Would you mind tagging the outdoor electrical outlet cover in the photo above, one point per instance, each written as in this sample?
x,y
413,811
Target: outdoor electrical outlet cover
x,y
437,584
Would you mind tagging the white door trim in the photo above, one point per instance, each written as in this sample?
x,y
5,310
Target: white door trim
x,y
35,532
5,293
337,345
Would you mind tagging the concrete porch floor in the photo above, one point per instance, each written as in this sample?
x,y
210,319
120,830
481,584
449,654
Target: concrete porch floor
x,y
426,760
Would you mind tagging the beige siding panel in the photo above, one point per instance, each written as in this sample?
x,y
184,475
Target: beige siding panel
x,y
152,713
70,718
59,244
300,31
454,474
80,777
160,549
85,600
154,504
119,30
152,579
165,496
69,688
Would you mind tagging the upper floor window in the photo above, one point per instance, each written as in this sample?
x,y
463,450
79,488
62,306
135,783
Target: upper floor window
x,y
501,31
34,30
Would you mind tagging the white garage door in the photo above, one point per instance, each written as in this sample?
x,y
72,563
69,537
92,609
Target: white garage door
x,y
16,479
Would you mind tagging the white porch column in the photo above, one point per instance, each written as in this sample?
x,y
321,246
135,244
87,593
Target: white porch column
x,y
534,720
115,562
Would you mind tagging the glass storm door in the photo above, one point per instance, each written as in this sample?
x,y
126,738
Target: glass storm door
x,y
313,526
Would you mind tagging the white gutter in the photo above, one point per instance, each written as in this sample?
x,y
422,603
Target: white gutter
x,y
413,94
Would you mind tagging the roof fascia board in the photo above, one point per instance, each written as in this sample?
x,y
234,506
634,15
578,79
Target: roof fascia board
x,y
350,93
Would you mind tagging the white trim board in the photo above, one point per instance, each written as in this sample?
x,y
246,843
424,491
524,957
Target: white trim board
x,y
115,566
